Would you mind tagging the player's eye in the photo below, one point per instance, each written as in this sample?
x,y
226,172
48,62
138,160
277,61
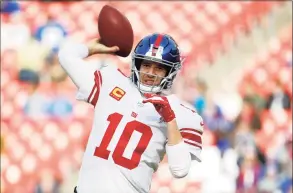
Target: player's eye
x,y
146,65
160,68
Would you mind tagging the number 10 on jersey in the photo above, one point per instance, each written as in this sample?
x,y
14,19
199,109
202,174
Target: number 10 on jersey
x,y
129,128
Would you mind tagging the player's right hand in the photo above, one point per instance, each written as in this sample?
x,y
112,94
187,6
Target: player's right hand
x,y
96,47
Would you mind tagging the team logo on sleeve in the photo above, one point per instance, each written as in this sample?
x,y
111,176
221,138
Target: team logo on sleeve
x,y
117,93
134,114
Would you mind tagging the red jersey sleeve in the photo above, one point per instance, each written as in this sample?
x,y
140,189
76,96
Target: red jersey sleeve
x,y
190,125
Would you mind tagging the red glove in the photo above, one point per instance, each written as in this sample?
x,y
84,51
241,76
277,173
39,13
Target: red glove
x,y
162,106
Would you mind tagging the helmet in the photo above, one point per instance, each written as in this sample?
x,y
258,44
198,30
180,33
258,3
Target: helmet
x,y
159,48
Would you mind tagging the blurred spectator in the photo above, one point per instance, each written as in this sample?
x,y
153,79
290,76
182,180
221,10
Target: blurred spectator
x,y
278,99
52,71
229,170
249,173
286,185
200,101
51,34
249,115
57,74
283,159
16,33
37,103
47,183
270,182
244,140
32,56
251,95
60,105
9,6
222,171
216,122
40,103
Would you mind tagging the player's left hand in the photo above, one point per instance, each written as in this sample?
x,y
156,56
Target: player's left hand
x,y
162,106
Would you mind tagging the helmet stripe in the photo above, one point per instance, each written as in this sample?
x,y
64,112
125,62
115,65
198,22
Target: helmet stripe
x,y
157,44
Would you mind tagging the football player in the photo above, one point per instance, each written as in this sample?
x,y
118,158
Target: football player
x,y
135,123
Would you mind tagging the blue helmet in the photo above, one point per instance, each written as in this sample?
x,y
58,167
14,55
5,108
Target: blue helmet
x,y
159,48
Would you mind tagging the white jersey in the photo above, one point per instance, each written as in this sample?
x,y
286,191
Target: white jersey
x,y
128,138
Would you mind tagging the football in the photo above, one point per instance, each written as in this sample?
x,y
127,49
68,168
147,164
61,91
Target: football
x,y
115,30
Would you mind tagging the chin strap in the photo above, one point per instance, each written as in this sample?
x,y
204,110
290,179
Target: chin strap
x,y
148,89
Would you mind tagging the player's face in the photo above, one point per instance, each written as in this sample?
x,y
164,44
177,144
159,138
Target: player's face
x,y
151,73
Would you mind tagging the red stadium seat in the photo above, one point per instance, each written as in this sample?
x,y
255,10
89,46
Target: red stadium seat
x,y
273,66
215,19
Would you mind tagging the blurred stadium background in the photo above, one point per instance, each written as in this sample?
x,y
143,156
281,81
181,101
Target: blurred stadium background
x,y
237,73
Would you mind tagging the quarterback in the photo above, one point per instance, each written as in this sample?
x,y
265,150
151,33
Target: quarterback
x,y
135,123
